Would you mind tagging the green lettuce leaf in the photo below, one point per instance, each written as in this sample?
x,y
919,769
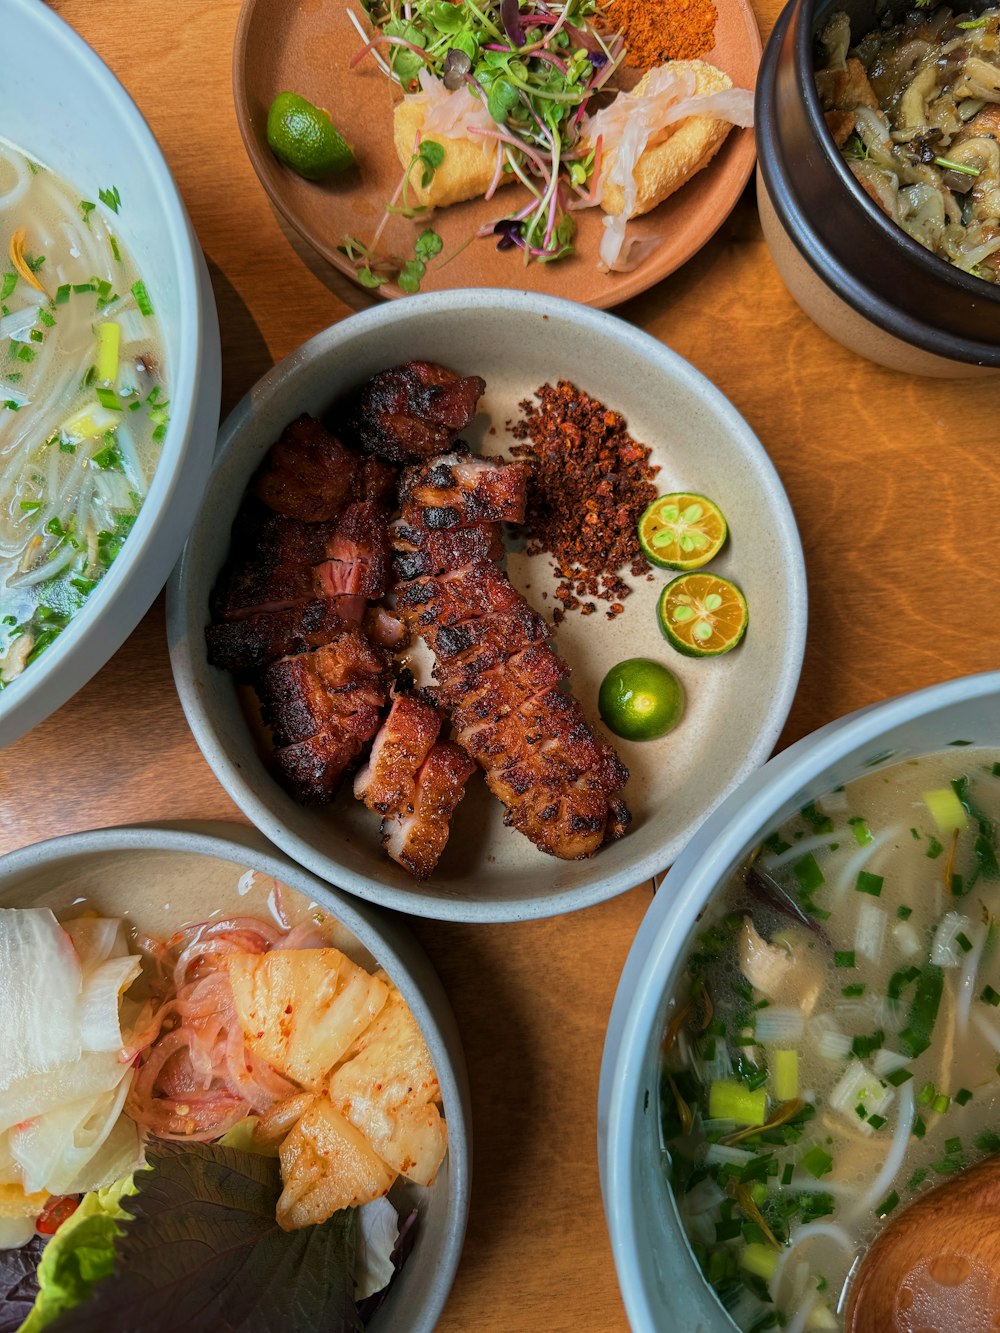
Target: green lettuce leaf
x,y
81,1252
203,1252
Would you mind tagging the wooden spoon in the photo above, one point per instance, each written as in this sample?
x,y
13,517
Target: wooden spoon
x,y
936,1267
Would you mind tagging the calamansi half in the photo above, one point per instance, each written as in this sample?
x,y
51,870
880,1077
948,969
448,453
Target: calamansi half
x,y
682,530
702,615
303,137
640,699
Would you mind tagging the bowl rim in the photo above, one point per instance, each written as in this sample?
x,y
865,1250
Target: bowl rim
x,y
667,924
186,660
126,592
387,938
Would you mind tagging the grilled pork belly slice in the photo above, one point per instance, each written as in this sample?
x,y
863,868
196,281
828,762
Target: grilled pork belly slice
x,y
454,490
416,838
308,474
418,551
245,645
478,589
323,707
302,695
414,410
493,667
386,782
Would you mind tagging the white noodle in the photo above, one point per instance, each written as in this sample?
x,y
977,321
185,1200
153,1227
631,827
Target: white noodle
x,y
967,985
896,1155
853,866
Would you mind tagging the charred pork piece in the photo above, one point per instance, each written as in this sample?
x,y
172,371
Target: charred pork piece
x,y
250,642
416,837
417,551
385,629
462,594
414,411
323,707
496,673
454,490
308,474
386,782
414,782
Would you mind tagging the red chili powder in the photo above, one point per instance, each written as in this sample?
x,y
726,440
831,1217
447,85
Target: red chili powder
x,y
588,483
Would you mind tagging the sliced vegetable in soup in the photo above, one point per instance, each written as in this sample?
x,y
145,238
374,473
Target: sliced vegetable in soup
x,y
83,405
833,1047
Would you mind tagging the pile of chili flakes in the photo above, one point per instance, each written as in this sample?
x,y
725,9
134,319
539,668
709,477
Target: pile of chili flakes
x,y
589,481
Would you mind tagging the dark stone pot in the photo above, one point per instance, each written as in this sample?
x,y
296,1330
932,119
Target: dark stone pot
x,y
851,268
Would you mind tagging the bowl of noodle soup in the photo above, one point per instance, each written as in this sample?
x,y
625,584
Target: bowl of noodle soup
x,y
109,374
751,1205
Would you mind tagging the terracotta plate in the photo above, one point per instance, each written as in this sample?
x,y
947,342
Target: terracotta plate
x,y
307,48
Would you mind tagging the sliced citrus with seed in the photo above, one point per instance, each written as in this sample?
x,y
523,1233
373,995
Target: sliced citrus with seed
x,y
702,615
682,530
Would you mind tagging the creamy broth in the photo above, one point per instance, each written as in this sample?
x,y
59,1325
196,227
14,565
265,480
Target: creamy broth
x,y
869,1041
83,404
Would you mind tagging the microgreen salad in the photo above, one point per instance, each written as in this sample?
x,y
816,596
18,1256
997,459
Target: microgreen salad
x,y
832,1050
509,92
533,68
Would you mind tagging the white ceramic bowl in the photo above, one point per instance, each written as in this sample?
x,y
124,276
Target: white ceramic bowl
x,y
661,1284
62,105
736,704
163,877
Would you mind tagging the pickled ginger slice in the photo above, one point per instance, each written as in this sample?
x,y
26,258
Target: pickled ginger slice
x,y
300,1009
387,1088
96,939
40,984
93,1073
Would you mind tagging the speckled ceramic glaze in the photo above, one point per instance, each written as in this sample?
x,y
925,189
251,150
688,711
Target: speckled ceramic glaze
x,y
63,120
161,878
736,704
661,1283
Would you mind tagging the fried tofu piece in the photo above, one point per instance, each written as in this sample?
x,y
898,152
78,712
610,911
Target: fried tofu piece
x,y
673,158
326,1165
841,125
466,172
387,1089
847,88
300,1009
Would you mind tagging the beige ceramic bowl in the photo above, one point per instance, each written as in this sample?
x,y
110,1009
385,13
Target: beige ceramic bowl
x,y
161,878
736,704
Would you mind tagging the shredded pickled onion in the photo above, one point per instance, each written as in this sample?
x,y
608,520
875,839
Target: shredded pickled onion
x,y
195,1077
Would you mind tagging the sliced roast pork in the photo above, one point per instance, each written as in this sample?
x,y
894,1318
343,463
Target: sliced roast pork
x,y
414,781
414,411
493,668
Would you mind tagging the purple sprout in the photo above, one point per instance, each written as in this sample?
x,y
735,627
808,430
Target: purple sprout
x,y
509,231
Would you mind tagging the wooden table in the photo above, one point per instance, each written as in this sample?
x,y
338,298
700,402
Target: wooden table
x,y
896,489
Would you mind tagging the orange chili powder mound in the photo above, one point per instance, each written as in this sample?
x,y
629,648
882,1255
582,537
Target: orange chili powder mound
x,y
656,31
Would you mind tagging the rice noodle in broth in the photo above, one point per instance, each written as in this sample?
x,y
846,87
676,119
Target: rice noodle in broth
x,y
83,405
816,1081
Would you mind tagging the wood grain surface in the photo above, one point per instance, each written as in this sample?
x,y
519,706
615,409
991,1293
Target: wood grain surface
x,y
896,487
